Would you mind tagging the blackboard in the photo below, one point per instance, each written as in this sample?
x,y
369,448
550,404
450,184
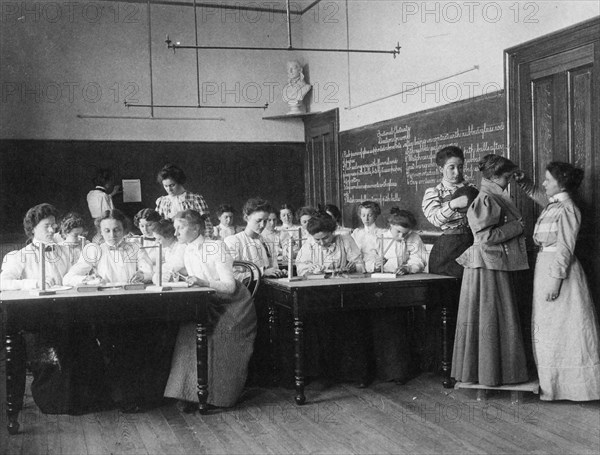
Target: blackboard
x,y
61,172
393,162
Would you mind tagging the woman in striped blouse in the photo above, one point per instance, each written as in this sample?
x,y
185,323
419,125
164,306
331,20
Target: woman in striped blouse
x,y
448,214
564,322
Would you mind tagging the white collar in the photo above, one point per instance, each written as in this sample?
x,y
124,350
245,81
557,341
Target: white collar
x,y
560,197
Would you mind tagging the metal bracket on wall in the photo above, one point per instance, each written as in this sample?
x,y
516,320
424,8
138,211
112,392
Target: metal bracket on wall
x,y
175,46
290,47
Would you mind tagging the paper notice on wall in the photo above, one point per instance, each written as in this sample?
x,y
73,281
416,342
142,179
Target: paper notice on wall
x,y
132,190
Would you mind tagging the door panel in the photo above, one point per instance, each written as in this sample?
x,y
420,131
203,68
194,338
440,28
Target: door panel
x,y
553,87
322,159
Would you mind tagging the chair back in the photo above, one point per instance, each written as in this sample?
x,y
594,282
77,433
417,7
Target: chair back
x,y
251,273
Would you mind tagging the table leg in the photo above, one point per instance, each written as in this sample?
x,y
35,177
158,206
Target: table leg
x,y
202,366
299,357
273,343
447,338
15,379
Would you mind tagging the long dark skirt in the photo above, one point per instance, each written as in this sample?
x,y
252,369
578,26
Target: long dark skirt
x,y
354,346
488,344
68,372
442,261
138,361
336,347
231,334
394,347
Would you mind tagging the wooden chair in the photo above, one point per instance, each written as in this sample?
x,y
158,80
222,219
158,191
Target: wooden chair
x,y
253,281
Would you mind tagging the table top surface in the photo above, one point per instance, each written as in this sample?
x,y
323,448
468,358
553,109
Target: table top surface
x,y
15,296
340,281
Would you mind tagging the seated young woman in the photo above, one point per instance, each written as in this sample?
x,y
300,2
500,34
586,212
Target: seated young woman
x,y
249,245
297,233
232,325
367,236
65,359
145,220
404,251
335,344
327,251
272,235
173,267
225,228
72,234
394,342
138,354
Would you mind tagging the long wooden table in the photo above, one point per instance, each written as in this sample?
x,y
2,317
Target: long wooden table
x,y
22,311
345,294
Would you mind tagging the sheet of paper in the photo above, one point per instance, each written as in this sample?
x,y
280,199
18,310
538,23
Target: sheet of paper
x,y
132,190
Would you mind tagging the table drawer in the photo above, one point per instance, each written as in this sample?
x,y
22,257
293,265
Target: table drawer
x,y
385,297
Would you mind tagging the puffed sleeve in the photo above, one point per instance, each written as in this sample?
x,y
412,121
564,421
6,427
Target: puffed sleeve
x,y
144,264
353,253
437,213
304,260
234,247
416,254
159,207
223,265
484,217
568,224
11,277
90,255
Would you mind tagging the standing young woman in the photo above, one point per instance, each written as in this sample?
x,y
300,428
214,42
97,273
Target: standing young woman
x,y
564,321
172,178
447,214
232,322
450,216
488,344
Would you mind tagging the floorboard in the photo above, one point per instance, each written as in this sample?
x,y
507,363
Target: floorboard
x,y
419,417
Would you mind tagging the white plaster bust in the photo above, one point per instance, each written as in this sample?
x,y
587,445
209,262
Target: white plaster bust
x,y
296,88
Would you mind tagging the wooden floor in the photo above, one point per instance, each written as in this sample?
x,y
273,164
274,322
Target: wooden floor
x,y
420,417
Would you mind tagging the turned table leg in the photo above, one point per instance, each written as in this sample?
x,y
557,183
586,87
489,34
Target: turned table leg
x,y
202,367
299,357
15,379
273,343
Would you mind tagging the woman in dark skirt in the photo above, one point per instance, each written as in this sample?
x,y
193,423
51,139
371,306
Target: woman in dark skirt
x,y
137,356
448,214
68,373
232,322
488,344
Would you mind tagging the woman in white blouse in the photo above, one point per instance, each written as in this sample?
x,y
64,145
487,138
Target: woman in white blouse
x,y
173,267
564,322
249,245
66,362
138,354
367,237
21,269
232,322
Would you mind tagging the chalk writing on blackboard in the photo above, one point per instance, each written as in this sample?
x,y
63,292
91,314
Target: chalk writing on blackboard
x,y
393,161
398,152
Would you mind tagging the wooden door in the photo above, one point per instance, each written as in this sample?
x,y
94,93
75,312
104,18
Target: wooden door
x,y
322,169
553,96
